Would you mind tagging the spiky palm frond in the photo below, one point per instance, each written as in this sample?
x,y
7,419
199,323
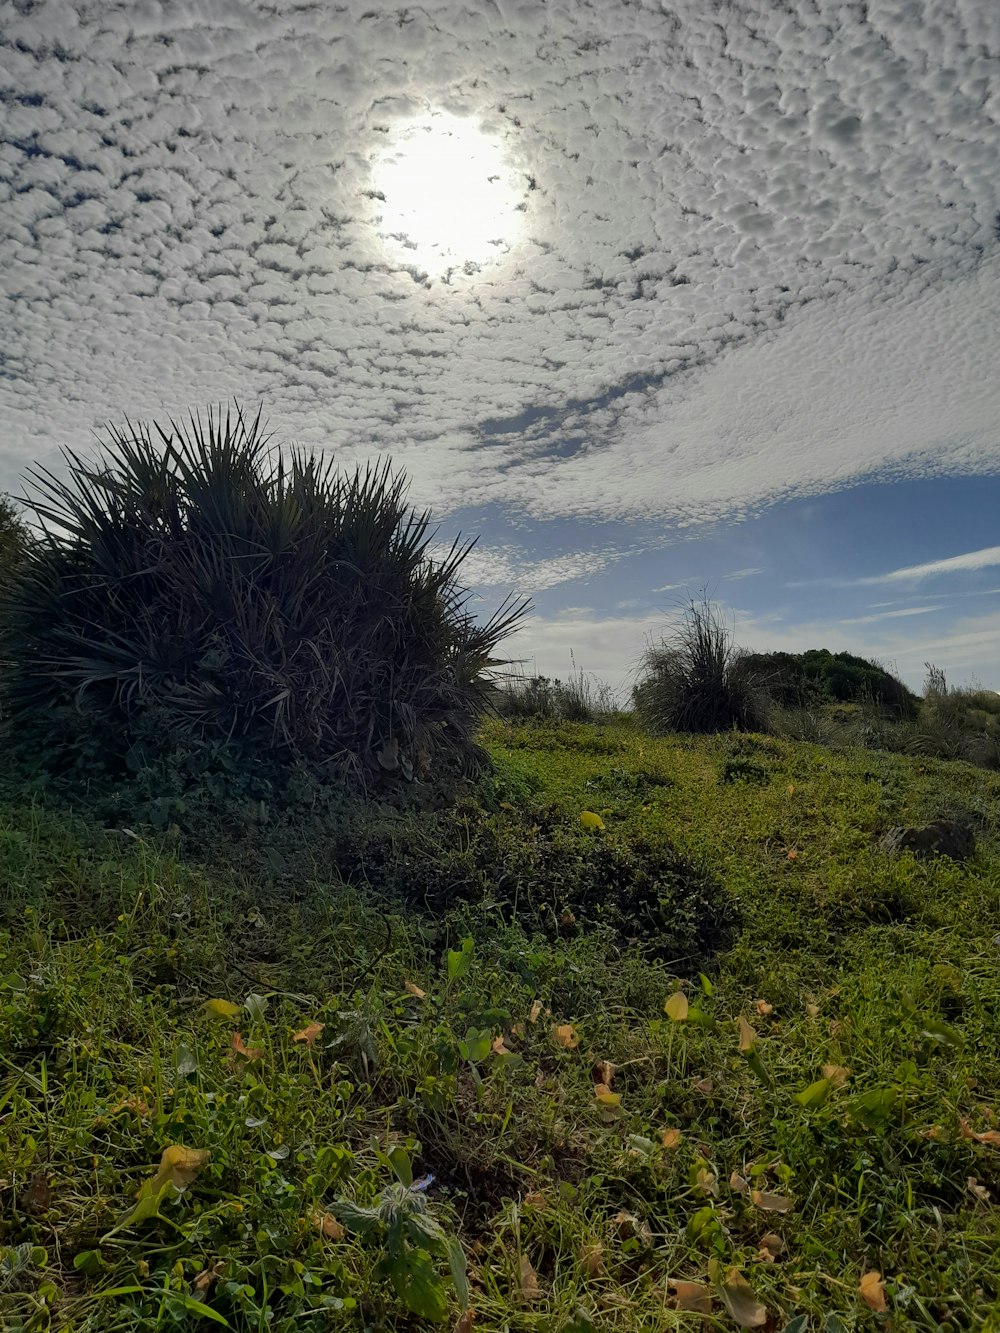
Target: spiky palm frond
x,y
247,597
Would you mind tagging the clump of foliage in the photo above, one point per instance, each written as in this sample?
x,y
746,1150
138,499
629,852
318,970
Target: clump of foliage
x,y
197,588
955,723
14,542
579,699
697,680
804,680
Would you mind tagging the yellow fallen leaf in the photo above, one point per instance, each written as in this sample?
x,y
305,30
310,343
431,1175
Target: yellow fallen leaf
x,y
328,1226
606,1097
591,1255
670,1138
790,789
706,1181
499,1047
589,820
179,1166
747,1036
837,1074
763,1008
221,1008
309,1034
738,1297
694,1297
872,1290
535,1010
528,1279
812,1009
771,1203
676,1007
564,1035
413,989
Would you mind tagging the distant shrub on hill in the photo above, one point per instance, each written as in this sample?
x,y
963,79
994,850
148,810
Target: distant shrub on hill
x,y
521,698
955,723
698,681
198,594
797,680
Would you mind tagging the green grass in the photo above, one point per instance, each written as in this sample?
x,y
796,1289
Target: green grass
x,y
570,1210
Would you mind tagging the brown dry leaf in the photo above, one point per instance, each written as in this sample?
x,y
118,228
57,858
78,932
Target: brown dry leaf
x,y
206,1277
534,1011
694,1297
564,1035
812,1009
792,854
178,1167
747,1036
771,1203
991,1136
737,1183
309,1034
465,1321
872,1290
837,1074
591,1256
670,1138
528,1279
517,1029
500,1047
763,1008
978,1191
771,1246
535,1199
676,1007
413,989
327,1225
707,1182
704,1085
604,1072
567,919
935,1132
625,1224
739,1299
241,1048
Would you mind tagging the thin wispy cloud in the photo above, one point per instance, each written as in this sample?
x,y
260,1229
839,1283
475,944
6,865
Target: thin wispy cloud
x,y
969,561
901,614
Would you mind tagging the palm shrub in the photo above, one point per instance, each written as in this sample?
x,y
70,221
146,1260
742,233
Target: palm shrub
x,y
697,680
198,588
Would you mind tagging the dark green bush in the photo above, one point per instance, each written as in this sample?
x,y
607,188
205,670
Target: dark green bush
x,y
804,680
199,594
697,681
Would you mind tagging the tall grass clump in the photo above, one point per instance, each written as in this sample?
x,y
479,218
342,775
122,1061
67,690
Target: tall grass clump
x,y
955,723
581,698
697,680
197,589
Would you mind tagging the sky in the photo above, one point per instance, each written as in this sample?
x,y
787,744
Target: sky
x,y
654,299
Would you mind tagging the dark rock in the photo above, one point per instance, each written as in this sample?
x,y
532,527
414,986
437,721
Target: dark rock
x,y
942,837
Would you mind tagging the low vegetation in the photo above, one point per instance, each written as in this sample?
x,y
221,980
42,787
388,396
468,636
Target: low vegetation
x,y
330,1088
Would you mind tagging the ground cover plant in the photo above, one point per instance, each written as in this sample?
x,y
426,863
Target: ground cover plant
x,y
235,1096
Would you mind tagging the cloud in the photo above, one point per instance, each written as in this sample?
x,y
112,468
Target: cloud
x,y
956,564
891,615
758,258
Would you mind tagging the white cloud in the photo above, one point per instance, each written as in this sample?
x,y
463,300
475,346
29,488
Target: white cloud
x,y
902,613
956,564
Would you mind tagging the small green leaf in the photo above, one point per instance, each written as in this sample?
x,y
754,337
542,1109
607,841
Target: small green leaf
x,y
815,1095
707,989
799,1324
941,1032
399,1160
460,961
196,1307
457,1264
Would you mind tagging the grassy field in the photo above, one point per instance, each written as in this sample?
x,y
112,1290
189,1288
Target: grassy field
x,y
703,1058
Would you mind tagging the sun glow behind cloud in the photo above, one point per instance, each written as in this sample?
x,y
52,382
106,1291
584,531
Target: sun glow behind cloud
x,y
451,198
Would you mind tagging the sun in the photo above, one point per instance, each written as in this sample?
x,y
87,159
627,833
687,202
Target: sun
x,y
448,198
